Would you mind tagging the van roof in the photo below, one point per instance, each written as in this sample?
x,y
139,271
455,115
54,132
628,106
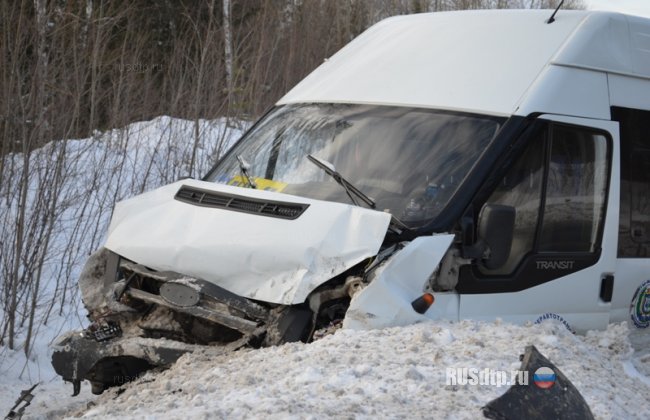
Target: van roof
x,y
477,61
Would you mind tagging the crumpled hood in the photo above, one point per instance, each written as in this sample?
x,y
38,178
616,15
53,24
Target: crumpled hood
x,y
261,257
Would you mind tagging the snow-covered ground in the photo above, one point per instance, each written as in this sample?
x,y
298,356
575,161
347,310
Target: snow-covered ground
x,y
396,372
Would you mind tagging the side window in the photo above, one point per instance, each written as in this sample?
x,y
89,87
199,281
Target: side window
x,y
576,188
634,219
558,189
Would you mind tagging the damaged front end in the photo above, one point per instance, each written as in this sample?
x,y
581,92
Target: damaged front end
x,y
306,211
143,319
147,316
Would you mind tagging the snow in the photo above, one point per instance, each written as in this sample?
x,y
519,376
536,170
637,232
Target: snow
x,y
394,372
632,371
17,373
189,282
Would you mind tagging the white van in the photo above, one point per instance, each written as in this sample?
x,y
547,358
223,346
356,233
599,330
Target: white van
x,y
490,162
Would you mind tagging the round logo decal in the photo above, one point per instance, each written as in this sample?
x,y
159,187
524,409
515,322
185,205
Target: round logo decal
x,y
544,377
640,308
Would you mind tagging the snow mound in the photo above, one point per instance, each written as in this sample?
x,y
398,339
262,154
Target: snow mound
x,y
396,372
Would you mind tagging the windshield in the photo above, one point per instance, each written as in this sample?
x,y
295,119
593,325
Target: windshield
x,y
409,161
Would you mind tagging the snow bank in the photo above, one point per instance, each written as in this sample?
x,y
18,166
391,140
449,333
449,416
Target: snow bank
x,y
396,372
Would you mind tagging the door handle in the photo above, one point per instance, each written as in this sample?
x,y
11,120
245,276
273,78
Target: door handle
x,y
607,288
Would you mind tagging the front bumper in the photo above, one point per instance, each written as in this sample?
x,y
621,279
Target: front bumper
x,y
78,357
144,319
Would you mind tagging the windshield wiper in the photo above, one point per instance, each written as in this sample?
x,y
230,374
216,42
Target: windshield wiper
x,y
244,167
349,188
352,191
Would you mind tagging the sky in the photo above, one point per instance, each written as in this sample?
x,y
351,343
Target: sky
x,y
631,7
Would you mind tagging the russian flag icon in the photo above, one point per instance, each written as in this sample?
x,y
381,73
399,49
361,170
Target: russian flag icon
x,y
544,377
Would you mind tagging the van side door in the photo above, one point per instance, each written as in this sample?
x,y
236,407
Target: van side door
x,y
631,300
565,191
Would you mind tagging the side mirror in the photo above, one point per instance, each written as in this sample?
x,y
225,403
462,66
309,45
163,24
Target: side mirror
x,y
496,226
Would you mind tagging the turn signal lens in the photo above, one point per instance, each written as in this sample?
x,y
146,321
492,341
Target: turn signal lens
x,y
424,302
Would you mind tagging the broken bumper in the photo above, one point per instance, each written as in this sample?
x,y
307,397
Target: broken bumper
x,y
144,319
78,357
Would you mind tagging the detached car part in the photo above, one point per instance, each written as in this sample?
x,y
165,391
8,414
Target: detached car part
x,y
560,401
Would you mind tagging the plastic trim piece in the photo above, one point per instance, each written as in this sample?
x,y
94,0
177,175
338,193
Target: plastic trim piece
x,y
206,198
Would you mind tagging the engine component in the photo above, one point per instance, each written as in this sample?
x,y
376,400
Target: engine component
x,y
179,294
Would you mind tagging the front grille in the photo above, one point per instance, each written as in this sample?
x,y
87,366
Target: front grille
x,y
206,198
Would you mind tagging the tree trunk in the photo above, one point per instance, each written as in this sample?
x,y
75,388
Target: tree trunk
x,y
228,56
